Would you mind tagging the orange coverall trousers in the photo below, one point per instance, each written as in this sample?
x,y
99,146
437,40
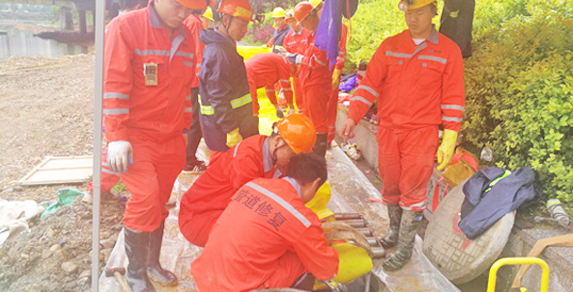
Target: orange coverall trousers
x,y
150,179
406,162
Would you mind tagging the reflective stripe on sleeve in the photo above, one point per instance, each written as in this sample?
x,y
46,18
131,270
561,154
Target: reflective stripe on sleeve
x,y
185,54
269,90
433,58
115,95
152,52
188,109
241,101
116,111
451,119
188,64
109,172
398,55
206,110
236,149
284,80
281,202
362,99
318,61
369,89
452,106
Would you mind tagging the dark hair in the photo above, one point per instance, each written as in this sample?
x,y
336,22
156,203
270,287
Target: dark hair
x,y
307,167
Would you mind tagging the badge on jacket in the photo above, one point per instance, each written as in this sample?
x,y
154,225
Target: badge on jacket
x,y
150,72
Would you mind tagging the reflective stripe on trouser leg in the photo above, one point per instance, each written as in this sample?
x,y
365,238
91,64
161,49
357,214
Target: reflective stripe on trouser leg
x,y
150,181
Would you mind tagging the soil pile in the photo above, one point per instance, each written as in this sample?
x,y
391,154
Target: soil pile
x,y
47,110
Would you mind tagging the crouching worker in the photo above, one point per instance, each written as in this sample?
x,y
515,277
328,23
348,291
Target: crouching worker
x,y
267,237
255,157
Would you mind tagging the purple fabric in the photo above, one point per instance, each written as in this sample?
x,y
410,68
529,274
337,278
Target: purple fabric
x,y
328,31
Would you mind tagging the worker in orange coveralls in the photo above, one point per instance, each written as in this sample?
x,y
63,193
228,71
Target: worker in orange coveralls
x,y
149,66
195,23
417,76
255,157
267,237
266,69
316,76
332,106
295,42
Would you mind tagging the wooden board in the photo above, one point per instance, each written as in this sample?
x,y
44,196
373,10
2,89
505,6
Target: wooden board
x,y
60,170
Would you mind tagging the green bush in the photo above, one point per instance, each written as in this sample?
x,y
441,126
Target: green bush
x,y
519,95
519,83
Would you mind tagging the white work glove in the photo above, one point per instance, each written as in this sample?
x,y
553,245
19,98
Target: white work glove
x,y
119,155
290,111
298,59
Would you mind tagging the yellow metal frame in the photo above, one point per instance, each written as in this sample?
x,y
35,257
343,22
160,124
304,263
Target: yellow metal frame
x,y
519,261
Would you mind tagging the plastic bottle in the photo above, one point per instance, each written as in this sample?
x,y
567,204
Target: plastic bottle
x,y
557,212
486,155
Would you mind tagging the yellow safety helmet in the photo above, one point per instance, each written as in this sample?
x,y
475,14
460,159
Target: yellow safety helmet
x,y
315,3
208,14
406,5
279,12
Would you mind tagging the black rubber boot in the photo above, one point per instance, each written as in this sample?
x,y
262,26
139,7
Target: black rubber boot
x,y
408,229
137,250
154,269
320,144
395,214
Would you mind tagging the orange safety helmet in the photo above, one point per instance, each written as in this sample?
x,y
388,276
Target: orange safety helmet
x,y
196,4
302,10
406,5
298,132
289,15
237,8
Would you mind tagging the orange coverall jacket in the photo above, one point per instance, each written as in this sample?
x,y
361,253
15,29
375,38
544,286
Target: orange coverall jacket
x,y
416,86
226,173
266,69
265,238
194,24
295,42
130,107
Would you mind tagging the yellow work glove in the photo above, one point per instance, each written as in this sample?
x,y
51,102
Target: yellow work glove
x,y
233,138
446,150
335,78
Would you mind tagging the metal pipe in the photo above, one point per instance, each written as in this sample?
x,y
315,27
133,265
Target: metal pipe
x,y
96,178
378,252
365,231
347,216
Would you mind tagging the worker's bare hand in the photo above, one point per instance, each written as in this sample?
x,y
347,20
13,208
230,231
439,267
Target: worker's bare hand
x,y
347,129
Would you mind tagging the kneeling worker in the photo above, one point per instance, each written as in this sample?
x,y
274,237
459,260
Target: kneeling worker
x,y
267,237
255,157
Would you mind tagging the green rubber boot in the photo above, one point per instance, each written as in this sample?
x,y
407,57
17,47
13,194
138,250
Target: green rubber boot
x,y
154,269
395,214
408,229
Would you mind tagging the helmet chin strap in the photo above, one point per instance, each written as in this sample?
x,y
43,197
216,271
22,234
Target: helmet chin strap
x,y
227,27
274,155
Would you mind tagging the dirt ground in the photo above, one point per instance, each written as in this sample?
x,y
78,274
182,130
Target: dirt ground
x,y
47,110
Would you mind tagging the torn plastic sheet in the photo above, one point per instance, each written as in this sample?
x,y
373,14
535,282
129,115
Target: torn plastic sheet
x,y
350,193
